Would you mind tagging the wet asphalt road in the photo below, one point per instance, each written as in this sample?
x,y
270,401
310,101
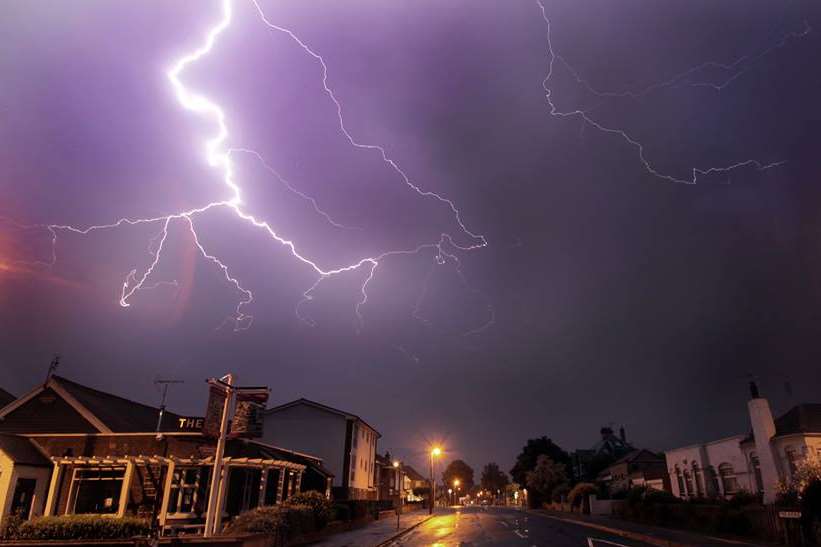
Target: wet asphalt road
x,y
502,526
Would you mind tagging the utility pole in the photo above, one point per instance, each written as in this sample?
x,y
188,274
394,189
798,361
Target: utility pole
x,y
164,384
52,367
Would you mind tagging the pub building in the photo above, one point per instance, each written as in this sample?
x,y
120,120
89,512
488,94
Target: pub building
x,y
69,449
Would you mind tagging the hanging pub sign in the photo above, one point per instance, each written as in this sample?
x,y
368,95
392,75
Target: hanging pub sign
x,y
213,412
250,404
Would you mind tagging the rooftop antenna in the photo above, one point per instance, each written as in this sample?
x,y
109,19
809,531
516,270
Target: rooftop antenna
x,y
52,367
164,383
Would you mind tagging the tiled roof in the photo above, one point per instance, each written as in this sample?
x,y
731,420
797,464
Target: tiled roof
x,y
5,397
805,418
332,410
120,415
412,473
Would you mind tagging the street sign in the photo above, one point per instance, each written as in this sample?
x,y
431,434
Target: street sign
x,y
789,514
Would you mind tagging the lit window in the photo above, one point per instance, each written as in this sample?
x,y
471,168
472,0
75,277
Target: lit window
x,y
96,490
792,459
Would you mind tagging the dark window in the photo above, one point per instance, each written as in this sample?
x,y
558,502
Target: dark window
x,y
189,490
97,490
271,485
23,496
729,482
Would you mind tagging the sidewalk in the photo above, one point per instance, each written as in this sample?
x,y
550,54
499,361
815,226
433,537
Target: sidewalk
x,y
375,533
654,535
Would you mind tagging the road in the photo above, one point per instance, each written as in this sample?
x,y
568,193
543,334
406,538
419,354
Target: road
x,y
505,527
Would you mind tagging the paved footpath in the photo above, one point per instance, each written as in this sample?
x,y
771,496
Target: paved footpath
x,y
375,533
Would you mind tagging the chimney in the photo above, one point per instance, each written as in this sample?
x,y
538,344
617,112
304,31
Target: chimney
x,y
761,419
622,435
754,394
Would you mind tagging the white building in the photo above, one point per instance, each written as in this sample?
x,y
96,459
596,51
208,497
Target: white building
x,y
755,462
345,442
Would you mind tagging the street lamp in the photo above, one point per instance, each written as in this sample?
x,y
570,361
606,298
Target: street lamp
x,y
434,452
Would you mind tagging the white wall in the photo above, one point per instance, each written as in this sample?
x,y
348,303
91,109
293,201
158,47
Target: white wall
x,y
707,455
310,430
363,456
9,473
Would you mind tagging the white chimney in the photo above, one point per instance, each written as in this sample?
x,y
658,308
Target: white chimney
x,y
761,419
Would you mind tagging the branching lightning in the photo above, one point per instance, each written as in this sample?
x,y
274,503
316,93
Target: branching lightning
x,y
219,156
733,70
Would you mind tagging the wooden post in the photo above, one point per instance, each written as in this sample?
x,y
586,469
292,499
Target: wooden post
x,y
124,491
53,490
166,494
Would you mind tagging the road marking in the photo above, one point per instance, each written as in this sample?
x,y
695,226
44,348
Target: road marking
x,y
598,540
521,535
505,524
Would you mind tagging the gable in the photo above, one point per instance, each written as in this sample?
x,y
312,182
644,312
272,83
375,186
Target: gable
x,y
46,412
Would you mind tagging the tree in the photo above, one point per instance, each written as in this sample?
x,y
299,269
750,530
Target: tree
x,y
527,459
457,469
493,478
544,477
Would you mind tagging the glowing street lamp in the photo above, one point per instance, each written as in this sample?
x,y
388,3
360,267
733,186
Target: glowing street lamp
x,y
435,452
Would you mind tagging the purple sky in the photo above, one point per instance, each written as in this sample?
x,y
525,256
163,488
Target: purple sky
x,y
617,296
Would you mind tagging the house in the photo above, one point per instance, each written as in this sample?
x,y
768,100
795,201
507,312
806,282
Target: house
x,y
587,463
755,462
344,441
388,478
413,482
66,448
637,468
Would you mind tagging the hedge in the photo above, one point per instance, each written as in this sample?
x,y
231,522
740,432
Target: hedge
x,y
80,527
282,521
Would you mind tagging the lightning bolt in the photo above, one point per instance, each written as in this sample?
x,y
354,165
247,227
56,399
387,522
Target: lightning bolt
x,y
732,71
736,69
219,156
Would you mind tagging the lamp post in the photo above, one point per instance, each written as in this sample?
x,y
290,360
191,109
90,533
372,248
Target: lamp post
x,y
397,466
435,451
456,483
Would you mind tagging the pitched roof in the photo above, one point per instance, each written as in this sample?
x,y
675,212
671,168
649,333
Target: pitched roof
x,y
320,406
97,410
120,415
638,454
412,473
5,397
804,418
22,450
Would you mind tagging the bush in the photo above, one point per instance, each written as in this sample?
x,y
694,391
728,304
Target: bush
x,y
581,491
743,498
319,504
341,512
81,527
262,520
651,495
299,520
560,492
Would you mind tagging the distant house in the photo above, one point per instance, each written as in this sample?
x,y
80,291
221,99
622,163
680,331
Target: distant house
x,y
344,441
5,397
587,463
413,481
637,468
66,448
755,462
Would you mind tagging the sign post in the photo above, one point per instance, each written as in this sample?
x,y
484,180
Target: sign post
x,y
221,391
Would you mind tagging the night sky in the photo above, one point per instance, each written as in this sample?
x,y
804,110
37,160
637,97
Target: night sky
x,y
605,294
